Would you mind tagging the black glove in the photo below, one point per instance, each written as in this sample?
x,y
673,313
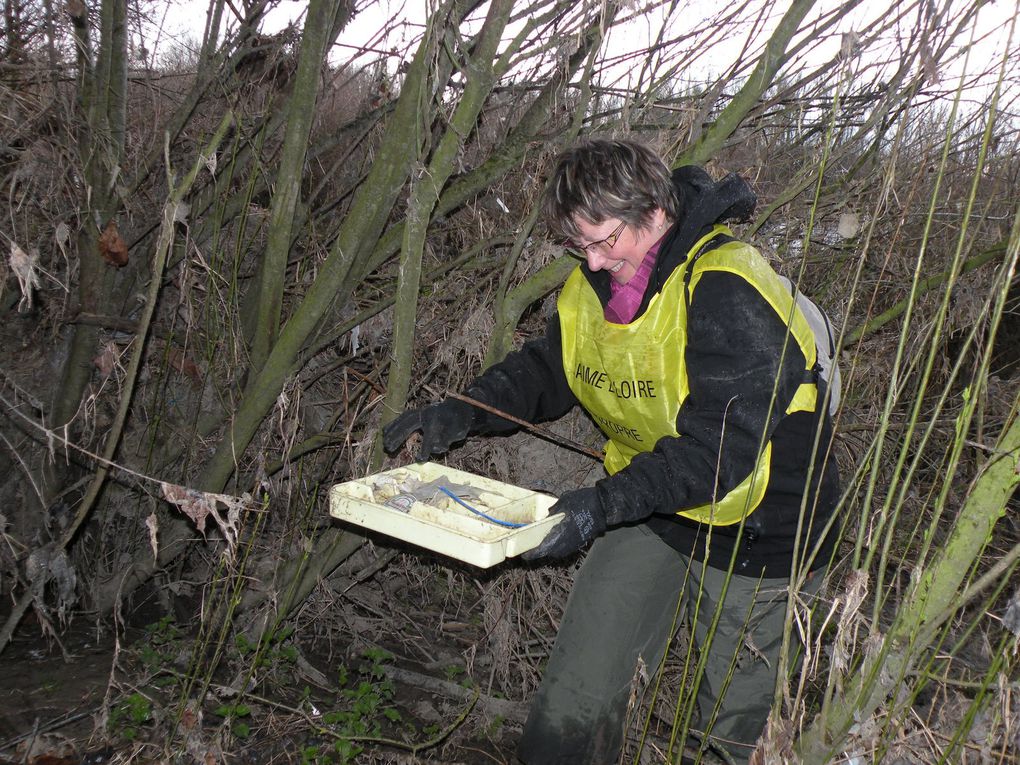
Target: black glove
x,y
441,426
584,519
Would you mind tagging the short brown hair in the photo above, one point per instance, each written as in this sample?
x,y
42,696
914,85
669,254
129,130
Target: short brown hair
x,y
603,178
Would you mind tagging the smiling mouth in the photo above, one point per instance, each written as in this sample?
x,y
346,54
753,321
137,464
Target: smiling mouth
x,y
616,268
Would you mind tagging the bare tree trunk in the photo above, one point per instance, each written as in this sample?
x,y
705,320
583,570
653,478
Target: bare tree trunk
x,y
211,34
319,33
12,30
102,81
425,194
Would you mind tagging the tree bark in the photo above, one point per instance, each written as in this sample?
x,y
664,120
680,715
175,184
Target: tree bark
x,y
319,32
425,194
101,83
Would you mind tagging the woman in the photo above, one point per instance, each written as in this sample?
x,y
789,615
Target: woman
x,y
688,352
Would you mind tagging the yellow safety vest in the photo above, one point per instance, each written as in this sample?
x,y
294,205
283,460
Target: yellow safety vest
x,y
632,378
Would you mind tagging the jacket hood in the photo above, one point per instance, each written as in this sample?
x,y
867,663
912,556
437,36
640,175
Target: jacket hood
x,y
703,203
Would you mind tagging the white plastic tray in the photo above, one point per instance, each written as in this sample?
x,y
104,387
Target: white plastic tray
x,y
443,525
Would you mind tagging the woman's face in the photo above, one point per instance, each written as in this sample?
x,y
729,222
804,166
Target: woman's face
x,y
617,247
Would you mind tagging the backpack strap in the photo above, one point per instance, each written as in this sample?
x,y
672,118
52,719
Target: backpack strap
x,y
825,371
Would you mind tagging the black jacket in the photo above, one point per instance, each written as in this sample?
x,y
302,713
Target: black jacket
x,y
734,354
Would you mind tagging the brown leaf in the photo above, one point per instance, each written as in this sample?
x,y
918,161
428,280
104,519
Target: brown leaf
x,y
184,364
112,247
194,504
50,759
106,361
199,505
152,524
24,267
47,749
189,719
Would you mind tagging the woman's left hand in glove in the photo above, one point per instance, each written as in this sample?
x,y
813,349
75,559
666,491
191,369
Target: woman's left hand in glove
x,y
583,520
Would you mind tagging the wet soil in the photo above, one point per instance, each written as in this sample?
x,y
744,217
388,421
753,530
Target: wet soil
x,y
51,695
56,695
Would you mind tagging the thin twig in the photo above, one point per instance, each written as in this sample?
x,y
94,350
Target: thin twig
x,y
54,724
536,429
326,730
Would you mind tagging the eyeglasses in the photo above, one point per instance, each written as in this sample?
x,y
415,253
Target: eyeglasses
x,y
610,241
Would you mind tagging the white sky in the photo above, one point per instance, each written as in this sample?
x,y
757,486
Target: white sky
x,y
186,18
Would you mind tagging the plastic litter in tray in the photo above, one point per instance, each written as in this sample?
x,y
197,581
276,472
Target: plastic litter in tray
x,y
414,504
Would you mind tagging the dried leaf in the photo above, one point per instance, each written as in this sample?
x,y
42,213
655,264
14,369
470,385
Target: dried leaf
x,y
929,64
180,212
112,247
856,591
183,363
200,505
152,524
47,749
62,236
848,44
189,718
106,361
195,504
24,267
50,565
775,744
846,635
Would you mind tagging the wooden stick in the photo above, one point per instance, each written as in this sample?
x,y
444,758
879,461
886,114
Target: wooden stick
x,y
536,429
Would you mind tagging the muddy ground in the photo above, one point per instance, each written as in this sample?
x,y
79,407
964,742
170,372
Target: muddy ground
x,y
434,654
95,696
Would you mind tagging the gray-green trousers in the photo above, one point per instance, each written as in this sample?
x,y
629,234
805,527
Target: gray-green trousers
x,y
621,609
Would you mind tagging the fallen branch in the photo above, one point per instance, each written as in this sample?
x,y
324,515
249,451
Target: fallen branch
x,y
508,710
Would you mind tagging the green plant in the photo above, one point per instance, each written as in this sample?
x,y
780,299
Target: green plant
x,y
311,755
366,702
275,655
161,644
493,729
453,671
129,715
236,717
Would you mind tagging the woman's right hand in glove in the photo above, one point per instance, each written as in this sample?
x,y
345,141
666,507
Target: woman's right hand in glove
x,y
442,425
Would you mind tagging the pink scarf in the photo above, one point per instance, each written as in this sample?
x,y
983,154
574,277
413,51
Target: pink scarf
x,y
626,298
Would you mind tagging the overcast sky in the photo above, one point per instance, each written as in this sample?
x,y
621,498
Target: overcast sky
x,y
183,19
